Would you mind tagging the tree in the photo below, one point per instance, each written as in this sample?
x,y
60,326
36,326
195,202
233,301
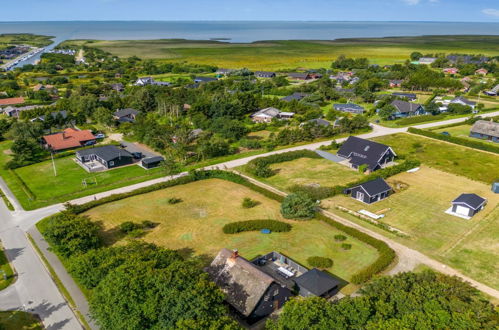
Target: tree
x,y
387,111
298,206
26,151
424,300
415,56
70,234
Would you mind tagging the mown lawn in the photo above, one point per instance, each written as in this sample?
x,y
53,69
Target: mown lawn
x,y
19,321
305,171
6,270
451,158
418,210
195,225
285,55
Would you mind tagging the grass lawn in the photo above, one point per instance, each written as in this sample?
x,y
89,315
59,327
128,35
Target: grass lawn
x,y
195,225
473,164
283,55
19,321
50,189
418,210
24,39
462,131
305,171
7,270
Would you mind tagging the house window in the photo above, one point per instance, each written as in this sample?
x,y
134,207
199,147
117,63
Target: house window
x,y
266,298
276,292
111,163
360,196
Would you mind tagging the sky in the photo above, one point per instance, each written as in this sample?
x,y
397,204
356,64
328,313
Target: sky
x,y
290,10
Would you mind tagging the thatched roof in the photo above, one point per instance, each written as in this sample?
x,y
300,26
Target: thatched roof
x,y
489,128
241,281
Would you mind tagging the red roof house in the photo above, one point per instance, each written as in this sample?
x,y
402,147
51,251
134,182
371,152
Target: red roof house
x,y
12,101
67,139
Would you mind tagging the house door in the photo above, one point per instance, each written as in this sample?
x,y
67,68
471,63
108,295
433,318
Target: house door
x,y
462,210
275,305
360,196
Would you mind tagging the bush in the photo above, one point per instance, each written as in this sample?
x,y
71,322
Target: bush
x,y
346,246
249,203
320,262
340,238
136,233
148,224
174,200
456,140
298,206
253,225
128,226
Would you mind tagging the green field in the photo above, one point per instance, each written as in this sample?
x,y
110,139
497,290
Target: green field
x,y
473,164
195,225
24,39
6,270
306,171
19,321
284,55
418,210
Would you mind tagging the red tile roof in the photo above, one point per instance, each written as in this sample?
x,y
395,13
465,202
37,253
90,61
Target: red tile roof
x,y
69,138
12,101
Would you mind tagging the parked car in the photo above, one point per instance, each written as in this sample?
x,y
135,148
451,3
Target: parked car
x,y
89,143
445,133
100,136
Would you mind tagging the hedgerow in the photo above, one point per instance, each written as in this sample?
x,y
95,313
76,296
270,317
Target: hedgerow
x,y
420,119
254,225
456,140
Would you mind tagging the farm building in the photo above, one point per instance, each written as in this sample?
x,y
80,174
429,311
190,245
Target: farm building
x,y
360,151
68,139
464,101
371,191
409,96
264,74
152,162
467,205
299,75
247,288
486,130
102,158
11,101
266,115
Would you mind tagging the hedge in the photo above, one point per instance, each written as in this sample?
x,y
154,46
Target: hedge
x,y
320,262
253,225
260,166
420,119
456,140
386,254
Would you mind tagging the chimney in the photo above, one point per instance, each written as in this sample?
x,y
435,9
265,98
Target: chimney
x,y
63,135
235,254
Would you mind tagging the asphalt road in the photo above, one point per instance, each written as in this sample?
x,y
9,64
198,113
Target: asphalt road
x,y
35,291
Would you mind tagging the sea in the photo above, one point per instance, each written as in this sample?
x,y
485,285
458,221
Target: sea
x,y
239,31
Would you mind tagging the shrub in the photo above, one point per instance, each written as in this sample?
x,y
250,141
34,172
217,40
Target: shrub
x,y
128,226
298,206
148,224
249,203
136,233
253,225
456,140
320,262
340,238
346,246
174,200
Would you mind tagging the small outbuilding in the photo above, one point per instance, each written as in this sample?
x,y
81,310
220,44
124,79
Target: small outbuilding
x,y
317,283
151,162
467,205
371,191
495,187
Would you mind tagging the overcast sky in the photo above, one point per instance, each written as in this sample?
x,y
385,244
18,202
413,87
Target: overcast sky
x,y
324,10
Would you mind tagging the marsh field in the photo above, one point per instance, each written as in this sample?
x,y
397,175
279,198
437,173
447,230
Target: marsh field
x,y
293,54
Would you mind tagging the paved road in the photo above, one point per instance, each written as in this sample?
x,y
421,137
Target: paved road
x,y
35,290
